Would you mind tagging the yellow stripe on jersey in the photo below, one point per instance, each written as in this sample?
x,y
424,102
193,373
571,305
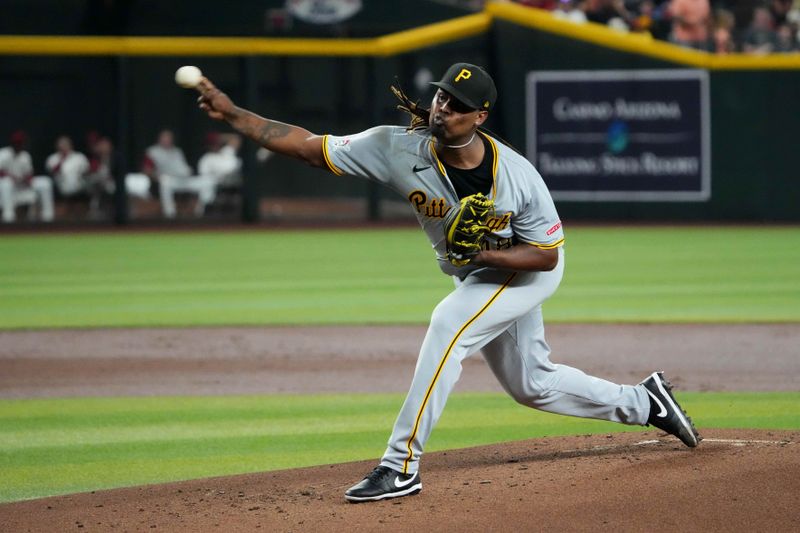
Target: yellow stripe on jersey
x,y
441,366
436,158
495,162
550,246
333,168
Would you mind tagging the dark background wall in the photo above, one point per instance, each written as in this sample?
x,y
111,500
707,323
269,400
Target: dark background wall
x,y
205,17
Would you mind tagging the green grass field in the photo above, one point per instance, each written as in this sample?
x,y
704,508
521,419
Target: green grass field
x,y
58,446
613,274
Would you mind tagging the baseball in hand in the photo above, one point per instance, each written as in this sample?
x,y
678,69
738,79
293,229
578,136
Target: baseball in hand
x,y
188,77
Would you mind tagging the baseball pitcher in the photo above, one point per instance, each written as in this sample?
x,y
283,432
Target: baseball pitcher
x,y
493,228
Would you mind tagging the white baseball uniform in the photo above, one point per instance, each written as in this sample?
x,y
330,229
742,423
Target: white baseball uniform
x,y
68,171
15,169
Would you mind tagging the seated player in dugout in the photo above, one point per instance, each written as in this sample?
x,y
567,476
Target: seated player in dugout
x,y
442,158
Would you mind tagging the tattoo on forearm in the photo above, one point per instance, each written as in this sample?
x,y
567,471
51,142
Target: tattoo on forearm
x,y
272,130
263,131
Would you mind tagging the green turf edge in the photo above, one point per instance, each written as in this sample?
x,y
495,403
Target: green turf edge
x,y
61,446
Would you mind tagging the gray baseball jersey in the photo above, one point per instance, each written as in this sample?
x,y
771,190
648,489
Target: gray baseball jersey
x,y
406,162
495,311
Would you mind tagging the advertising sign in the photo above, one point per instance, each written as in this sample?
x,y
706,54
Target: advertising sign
x,y
638,135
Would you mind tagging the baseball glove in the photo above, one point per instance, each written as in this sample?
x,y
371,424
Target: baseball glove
x,y
465,227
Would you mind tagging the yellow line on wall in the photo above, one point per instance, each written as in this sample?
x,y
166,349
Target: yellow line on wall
x,y
636,43
392,44
433,34
179,46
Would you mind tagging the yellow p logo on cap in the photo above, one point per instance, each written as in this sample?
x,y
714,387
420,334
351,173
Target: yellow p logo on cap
x,y
463,75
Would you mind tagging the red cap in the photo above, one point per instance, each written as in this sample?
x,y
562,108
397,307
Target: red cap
x,y
212,138
19,138
92,137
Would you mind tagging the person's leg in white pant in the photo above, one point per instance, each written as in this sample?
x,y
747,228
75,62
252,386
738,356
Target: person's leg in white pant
x,y
44,193
167,185
7,199
206,187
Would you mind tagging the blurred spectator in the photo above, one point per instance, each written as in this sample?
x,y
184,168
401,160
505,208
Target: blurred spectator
x,y
735,24
660,18
68,168
165,163
165,158
643,17
743,13
608,12
174,175
724,27
691,20
18,185
760,37
786,40
780,10
570,10
221,162
793,16
221,165
100,179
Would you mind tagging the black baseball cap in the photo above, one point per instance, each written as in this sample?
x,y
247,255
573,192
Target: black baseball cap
x,y
471,84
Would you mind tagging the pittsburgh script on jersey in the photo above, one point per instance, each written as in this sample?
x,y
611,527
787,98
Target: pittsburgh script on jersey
x,y
438,208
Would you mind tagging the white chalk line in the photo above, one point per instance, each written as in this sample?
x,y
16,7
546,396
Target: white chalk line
x,y
732,442
612,447
745,442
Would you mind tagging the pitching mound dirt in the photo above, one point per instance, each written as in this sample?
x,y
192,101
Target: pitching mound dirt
x,y
734,481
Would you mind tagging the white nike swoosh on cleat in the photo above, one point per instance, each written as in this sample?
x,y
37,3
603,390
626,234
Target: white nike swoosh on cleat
x,y
663,412
684,422
400,484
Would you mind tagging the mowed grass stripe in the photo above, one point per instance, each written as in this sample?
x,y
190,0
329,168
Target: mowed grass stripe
x,y
628,274
208,279
57,446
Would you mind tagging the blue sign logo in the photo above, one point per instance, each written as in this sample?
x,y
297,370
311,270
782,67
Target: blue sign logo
x,y
617,137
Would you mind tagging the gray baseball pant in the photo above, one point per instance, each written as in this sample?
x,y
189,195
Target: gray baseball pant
x,y
501,314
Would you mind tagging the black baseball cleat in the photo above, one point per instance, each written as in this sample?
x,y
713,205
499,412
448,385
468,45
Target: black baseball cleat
x,y
384,483
666,414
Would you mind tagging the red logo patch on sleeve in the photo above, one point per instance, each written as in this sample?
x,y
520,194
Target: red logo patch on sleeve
x,y
554,228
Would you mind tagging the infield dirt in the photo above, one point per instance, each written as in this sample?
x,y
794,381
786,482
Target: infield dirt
x,y
305,360
736,480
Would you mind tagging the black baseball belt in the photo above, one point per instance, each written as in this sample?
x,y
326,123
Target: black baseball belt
x,y
500,244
